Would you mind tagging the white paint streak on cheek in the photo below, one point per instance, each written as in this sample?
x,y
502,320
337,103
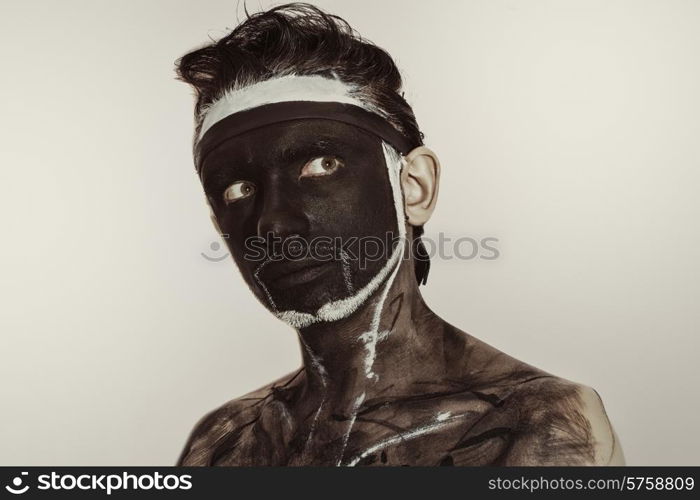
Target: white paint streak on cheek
x,y
262,285
347,278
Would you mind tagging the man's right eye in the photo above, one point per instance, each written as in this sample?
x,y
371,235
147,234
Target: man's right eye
x,y
238,190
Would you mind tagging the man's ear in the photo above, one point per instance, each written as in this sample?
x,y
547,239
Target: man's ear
x,y
420,179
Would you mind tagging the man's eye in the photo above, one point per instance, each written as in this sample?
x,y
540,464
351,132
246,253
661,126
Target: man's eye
x,y
238,190
323,165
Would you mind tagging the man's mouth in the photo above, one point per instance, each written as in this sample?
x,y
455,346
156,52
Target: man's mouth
x,y
286,274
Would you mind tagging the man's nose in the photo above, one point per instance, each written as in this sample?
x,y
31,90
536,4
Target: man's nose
x,y
282,218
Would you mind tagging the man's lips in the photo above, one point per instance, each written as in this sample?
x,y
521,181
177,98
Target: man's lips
x,y
285,274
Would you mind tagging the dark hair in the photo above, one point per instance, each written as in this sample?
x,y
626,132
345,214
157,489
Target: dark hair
x,y
302,39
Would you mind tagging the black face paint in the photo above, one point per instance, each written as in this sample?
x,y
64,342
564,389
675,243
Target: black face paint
x,y
351,207
238,122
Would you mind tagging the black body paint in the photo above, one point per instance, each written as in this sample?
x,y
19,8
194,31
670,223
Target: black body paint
x,y
434,395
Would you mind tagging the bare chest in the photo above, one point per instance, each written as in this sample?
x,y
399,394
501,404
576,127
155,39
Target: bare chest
x,y
464,429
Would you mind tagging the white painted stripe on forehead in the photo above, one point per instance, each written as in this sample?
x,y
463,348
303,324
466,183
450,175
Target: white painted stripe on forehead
x,y
284,88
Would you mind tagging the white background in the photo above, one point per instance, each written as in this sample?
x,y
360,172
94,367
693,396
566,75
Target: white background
x,y
567,129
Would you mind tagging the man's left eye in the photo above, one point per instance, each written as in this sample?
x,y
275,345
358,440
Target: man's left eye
x,y
323,165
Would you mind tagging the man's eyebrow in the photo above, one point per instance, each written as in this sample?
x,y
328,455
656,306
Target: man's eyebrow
x,y
294,151
221,165
215,174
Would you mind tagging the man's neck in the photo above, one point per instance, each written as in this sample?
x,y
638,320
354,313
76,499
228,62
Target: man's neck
x,y
355,359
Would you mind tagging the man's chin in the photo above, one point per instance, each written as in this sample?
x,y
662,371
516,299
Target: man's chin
x,y
304,299
310,298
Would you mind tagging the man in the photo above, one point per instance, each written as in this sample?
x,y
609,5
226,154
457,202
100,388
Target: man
x,y
303,139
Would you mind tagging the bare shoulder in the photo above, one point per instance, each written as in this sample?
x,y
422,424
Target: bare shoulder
x,y
222,424
540,418
607,443
562,423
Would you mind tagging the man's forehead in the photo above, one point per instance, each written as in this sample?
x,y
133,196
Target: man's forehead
x,y
303,88
268,114
297,136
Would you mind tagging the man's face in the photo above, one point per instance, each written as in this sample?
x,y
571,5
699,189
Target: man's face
x,y
319,185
